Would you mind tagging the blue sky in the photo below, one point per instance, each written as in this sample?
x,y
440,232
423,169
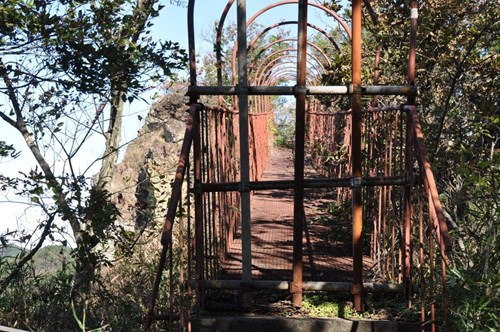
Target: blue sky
x,y
172,22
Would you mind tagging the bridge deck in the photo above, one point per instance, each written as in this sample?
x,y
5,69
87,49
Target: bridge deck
x,y
326,257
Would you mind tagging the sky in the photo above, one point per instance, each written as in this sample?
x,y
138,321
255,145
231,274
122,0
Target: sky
x,y
170,25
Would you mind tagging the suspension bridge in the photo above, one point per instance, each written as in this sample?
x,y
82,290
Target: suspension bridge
x,y
246,216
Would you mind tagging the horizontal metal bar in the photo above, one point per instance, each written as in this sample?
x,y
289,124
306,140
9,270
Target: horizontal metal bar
x,y
295,90
364,111
236,284
323,286
308,183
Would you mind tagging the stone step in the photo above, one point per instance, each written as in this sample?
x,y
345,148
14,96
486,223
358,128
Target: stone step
x,y
281,324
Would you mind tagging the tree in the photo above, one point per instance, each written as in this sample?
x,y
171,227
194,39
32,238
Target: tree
x,y
67,69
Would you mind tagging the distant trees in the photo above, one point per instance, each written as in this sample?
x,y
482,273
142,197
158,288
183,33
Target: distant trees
x,y
67,69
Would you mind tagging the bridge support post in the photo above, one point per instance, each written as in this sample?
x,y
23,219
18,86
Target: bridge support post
x,y
357,204
408,225
298,204
246,236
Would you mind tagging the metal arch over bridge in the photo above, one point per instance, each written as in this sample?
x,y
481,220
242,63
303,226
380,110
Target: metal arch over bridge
x,y
385,157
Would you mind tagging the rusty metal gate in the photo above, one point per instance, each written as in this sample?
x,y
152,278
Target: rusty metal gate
x,y
382,170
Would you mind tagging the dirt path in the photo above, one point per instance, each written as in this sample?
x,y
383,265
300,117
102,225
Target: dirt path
x,y
326,252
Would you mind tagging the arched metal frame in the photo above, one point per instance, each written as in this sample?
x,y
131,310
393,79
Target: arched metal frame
x,y
276,66
263,66
332,41
310,25
294,40
255,16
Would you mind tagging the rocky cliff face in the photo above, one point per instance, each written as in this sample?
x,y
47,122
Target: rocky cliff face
x,y
142,181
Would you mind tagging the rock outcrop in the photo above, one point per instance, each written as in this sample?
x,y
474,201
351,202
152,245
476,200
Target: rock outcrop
x,y
142,182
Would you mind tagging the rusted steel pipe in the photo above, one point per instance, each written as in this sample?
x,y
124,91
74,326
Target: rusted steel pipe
x,y
308,183
198,209
319,6
166,237
218,41
168,224
196,153
192,49
408,209
430,182
408,213
412,51
436,215
357,204
244,143
288,74
298,195
421,259
322,286
308,90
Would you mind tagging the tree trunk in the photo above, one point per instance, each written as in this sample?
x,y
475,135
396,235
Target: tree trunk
x,y
113,134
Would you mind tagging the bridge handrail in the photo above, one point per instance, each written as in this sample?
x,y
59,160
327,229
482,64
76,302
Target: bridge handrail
x,y
166,236
435,206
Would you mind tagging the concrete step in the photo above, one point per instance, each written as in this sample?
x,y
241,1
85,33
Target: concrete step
x,y
280,324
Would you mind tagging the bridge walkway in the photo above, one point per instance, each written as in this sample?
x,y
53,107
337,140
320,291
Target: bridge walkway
x,y
326,257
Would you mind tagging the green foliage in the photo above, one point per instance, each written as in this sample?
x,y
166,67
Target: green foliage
x,y
476,300
37,300
458,102
8,150
61,63
318,306
284,125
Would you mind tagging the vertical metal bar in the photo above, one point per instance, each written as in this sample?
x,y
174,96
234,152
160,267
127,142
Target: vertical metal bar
x,y
408,213
374,137
413,46
421,258
390,205
203,170
198,210
409,157
166,237
431,267
192,49
444,283
189,248
171,290
246,237
298,202
196,149
357,204
182,271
